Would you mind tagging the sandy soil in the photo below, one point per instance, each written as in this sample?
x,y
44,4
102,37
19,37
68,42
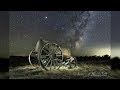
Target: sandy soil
x,y
82,71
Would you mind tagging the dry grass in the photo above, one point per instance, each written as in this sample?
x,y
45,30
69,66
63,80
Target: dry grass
x,y
115,74
4,75
82,71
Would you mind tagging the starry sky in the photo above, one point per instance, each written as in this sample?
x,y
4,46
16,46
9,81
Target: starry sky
x,y
115,34
83,32
4,34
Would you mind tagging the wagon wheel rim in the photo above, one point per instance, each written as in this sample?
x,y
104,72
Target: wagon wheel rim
x,y
71,64
51,56
33,59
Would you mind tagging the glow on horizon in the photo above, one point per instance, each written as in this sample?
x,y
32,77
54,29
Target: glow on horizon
x,y
115,52
98,51
103,51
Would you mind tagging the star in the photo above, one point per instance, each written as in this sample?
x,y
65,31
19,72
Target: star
x,y
46,17
62,28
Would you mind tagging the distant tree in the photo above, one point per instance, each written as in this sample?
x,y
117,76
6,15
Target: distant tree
x,y
107,56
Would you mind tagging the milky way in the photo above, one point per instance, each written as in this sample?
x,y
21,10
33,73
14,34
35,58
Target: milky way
x,y
69,29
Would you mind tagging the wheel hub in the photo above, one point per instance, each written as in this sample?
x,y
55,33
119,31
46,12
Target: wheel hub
x,y
52,56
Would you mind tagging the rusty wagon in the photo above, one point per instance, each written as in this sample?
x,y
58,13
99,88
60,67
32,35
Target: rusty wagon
x,y
49,56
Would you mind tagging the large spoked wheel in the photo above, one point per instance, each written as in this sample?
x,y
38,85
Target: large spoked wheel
x,y
33,58
51,56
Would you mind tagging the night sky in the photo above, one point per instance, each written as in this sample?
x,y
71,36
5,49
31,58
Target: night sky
x,y
4,34
84,32
23,29
115,34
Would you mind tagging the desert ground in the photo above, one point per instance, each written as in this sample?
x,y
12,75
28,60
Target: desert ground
x,y
87,68
82,71
4,75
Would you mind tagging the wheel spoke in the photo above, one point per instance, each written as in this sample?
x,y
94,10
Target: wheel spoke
x,y
56,49
58,55
52,50
58,58
54,63
58,62
48,47
47,52
44,56
58,52
34,61
48,62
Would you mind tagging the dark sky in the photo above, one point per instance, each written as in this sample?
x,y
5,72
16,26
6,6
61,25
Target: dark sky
x,y
4,34
115,34
99,35
23,36
115,27
84,32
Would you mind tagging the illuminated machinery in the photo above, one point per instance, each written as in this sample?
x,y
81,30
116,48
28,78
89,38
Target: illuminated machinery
x,y
49,56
